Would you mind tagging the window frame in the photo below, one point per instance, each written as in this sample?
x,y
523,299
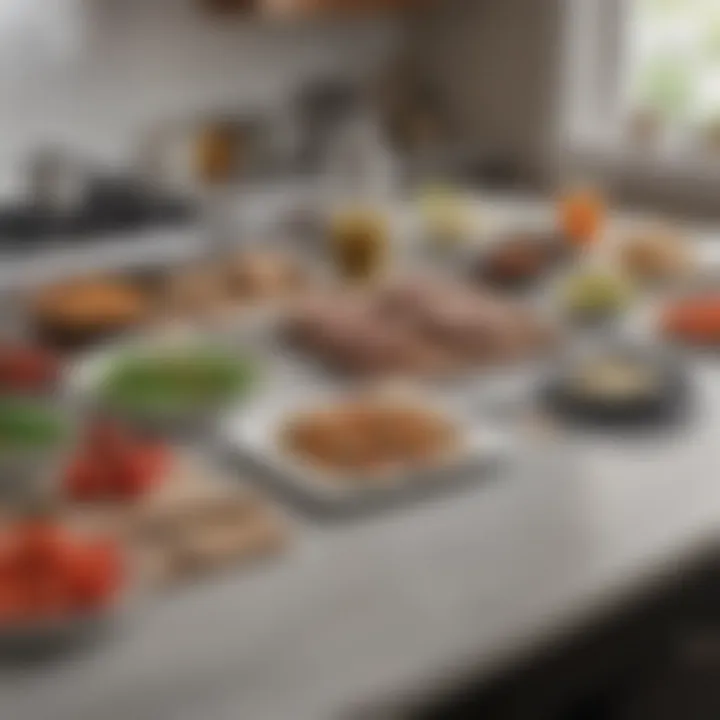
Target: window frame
x,y
594,45
591,135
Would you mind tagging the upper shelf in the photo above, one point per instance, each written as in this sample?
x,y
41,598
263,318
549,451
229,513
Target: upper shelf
x,y
304,8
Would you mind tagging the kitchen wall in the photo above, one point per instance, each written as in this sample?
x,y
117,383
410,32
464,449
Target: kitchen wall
x,y
498,62
96,74
505,67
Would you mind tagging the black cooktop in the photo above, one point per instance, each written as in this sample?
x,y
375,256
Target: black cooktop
x,y
107,207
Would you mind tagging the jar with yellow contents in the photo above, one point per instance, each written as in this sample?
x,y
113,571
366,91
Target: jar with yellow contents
x,y
359,243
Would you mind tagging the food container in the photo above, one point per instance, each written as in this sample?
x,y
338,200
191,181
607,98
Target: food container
x,y
75,314
78,588
662,395
174,419
657,254
446,220
519,260
582,216
689,316
595,296
255,435
359,243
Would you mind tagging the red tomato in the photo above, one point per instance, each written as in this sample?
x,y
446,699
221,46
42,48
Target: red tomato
x,y
10,602
45,596
40,546
145,466
83,479
157,457
47,573
114,465
108,438
695,320
131,485
97,576
582,216
27,368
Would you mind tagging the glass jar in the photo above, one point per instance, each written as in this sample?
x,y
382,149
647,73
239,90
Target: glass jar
x,y
359,243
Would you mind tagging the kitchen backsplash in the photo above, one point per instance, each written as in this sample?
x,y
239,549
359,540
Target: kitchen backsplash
x,y
95,75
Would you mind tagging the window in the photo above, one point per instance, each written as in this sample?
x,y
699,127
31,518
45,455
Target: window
x,y
673,63
642,85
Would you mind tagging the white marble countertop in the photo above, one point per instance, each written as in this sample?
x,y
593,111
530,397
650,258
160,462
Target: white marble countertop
x,y
392,604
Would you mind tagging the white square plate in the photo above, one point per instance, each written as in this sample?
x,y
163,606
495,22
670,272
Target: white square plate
x,y
252,433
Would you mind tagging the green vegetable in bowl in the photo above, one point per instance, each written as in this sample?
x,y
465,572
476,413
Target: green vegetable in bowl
x,y
597,293
27,425
176,383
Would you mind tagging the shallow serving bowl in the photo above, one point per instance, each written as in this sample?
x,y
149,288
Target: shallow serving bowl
x,y
669,401
88,375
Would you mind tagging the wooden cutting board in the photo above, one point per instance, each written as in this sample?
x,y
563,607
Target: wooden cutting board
x,y
197,522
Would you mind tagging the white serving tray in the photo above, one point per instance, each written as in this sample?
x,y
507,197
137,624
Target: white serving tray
x,y
252,433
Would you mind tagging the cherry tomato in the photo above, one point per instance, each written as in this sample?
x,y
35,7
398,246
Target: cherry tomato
x,y
83,479
114,465
47,573
40,546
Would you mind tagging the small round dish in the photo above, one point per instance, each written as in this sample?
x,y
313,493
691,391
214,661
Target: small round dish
x,y
76,314
594,297
520,260
657,256
693,320
625,386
